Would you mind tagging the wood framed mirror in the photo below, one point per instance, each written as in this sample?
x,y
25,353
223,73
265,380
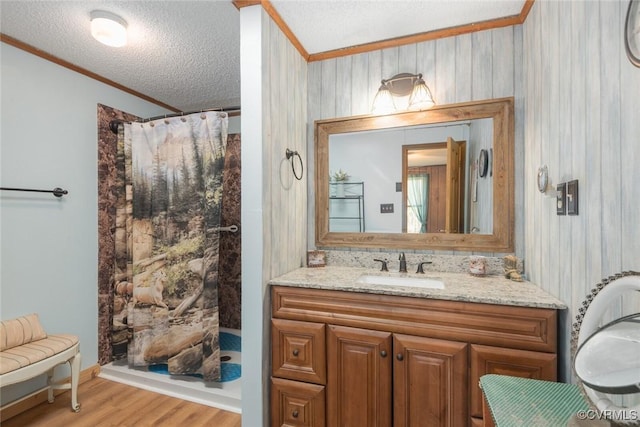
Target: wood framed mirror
x,y
479,211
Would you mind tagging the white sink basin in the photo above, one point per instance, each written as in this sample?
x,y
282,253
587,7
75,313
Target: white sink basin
x,y
412,282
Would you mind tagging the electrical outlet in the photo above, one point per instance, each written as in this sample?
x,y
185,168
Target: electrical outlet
x,y
386,208
561,196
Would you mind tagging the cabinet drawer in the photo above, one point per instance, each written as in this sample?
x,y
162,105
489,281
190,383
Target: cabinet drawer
x,y
296,404
505,361
298,351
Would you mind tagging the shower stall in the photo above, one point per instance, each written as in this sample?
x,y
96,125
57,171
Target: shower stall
x,y
169,280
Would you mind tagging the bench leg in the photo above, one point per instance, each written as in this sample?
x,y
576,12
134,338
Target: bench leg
x,y
75,377
50,385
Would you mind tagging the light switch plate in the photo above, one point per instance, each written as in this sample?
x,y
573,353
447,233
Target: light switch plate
x,y
386,208
572,197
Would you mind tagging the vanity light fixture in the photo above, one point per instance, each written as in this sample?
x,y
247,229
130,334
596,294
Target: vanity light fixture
x,y
399,86
108,28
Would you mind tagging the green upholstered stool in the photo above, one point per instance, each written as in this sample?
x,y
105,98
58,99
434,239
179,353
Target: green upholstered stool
x,y
514,401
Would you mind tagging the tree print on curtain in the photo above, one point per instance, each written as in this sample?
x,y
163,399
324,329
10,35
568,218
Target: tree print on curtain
x,y
173,173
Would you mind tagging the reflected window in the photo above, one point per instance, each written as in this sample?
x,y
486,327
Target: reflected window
x,y
418,201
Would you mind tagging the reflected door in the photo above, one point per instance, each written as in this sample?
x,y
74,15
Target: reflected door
x,y
454,217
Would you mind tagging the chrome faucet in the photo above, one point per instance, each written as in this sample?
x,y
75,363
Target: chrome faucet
x,y
403,263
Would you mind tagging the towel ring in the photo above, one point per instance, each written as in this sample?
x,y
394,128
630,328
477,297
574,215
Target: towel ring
x,y
289,155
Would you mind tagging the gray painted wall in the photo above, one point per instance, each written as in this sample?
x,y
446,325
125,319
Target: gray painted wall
x,y
482,65
582,110
49,246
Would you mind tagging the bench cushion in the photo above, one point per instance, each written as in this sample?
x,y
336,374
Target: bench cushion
x,y
27,354
20,331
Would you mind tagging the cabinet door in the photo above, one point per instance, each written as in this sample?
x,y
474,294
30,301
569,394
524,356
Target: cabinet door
x,y
504,361
429,382
297,404
359,377
298,350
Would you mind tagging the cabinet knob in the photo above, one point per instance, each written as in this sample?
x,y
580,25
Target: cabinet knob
x,y
400,357
383,353
295,352
294,414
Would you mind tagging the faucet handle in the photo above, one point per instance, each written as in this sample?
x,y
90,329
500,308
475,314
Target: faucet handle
x,y
420,270
384,264
403,263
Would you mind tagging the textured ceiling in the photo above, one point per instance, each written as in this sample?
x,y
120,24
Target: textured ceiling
x,y
183,53
187,53
322,25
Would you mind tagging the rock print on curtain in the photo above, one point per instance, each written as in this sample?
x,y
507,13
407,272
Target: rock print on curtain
x,y
173,178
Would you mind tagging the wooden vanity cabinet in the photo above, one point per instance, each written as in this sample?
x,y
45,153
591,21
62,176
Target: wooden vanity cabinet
x,y
380,360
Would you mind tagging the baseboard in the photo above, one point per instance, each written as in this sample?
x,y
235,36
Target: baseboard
x,y
40,396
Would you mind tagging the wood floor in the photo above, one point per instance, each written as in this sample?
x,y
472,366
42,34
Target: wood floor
x,y
108,403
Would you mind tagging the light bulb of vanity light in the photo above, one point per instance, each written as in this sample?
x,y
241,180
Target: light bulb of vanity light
x,y
383,101
108,29
420,98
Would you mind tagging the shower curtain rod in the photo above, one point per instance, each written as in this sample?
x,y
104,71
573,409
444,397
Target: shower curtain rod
x,y
113,124
164,116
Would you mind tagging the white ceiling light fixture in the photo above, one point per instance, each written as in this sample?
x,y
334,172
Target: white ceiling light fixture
x,y
108,28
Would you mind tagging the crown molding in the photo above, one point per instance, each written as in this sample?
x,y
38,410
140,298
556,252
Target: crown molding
x,y
44,55
273,13
384,44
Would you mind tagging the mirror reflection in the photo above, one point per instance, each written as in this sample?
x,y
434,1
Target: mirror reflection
x,y
433,182
418,179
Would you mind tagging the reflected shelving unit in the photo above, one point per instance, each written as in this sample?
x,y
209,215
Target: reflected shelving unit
x,y
346,207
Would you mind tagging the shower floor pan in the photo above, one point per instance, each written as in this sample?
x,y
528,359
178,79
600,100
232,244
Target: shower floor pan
x,y
224,395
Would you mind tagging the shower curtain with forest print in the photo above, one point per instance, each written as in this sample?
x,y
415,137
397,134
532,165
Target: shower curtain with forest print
x,y
173,177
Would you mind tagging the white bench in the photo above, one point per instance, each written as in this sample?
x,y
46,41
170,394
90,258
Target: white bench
x,y
26,351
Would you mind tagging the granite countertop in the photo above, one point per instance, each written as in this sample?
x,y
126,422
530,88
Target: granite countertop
x,y
457,286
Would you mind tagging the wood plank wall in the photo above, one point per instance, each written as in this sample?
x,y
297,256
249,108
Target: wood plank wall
x,y
582,108
284,119
481,65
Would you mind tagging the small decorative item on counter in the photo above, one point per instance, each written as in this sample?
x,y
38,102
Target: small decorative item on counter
x,y
316,259
478,266
510,263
